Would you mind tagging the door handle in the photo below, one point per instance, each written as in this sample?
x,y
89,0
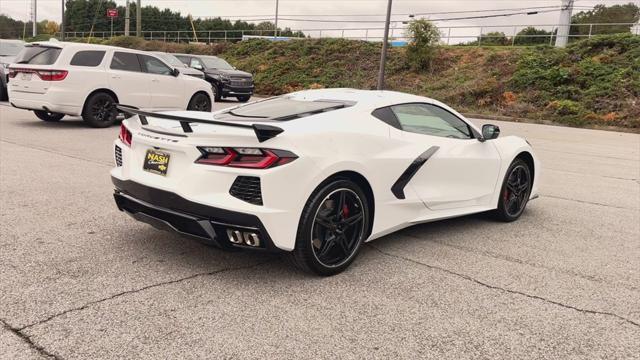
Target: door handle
x,y
155,80
115,76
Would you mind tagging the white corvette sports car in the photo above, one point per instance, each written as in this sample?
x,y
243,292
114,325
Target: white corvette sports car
x,y
316,173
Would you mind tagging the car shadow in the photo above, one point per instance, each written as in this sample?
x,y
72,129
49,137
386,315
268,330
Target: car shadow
x,y
66,123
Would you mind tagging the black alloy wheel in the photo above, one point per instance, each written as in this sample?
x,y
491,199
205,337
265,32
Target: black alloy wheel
x,y
337,227
200,102
48,116
334,224
515,191
100,110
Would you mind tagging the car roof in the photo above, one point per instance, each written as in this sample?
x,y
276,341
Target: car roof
x,y
64,44
363,98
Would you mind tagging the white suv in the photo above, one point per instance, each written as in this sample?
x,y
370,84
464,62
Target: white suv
x,y
55,79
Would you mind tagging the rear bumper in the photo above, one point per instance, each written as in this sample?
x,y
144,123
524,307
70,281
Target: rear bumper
x,y
169,211
49,101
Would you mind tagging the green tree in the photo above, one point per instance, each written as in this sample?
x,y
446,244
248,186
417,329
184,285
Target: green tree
x,y
628,13
532,36
422,48
494,38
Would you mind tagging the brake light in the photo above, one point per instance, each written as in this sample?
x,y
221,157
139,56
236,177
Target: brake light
x,y
52,75
46,75
241,157
125,135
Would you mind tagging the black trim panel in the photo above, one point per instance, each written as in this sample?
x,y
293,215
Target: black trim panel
x,y
398,187
220,219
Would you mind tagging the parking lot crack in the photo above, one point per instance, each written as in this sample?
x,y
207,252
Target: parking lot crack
x,y
135,291
39,148
515,260
587,202
27,339
510,291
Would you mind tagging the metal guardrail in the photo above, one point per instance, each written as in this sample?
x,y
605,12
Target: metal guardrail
x,y
449,34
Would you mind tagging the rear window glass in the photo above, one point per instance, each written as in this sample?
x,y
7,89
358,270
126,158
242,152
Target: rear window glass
x,y
125,61
38,55
285,108
87,58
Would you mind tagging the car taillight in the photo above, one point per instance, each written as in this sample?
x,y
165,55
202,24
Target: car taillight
x,y
242,157
46,75
52,75
125,135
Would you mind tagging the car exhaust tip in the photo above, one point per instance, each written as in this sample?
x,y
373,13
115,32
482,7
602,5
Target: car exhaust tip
x,y
235,236
238,237
251,239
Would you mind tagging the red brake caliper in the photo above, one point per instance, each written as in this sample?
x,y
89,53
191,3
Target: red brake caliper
x,y
345,211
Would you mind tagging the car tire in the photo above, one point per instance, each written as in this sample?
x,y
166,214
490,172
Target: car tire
x,y
3,92
100,110
200,102
325,243
217,94
244,98
48,116
515,192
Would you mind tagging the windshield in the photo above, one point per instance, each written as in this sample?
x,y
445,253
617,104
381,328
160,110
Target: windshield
x,y
216,63
283,108
170,59
10,48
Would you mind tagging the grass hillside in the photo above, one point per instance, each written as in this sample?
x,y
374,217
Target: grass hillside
x,y
594,82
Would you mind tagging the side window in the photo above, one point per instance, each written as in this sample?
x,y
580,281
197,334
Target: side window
x,y
87,58
196,64
154,66
430,120
125,61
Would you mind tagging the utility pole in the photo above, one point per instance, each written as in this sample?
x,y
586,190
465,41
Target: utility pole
x,y
35,17
562,37
126,19
275,32
383,54
62,23
138,19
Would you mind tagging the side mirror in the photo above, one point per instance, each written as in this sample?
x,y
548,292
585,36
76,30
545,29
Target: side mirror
x,y
197,67
490,131
175,72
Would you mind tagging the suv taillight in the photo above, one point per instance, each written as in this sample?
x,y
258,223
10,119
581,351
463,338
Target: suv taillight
x,y
242,157
46,75
125,135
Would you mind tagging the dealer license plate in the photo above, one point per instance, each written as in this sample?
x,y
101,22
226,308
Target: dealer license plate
x,y
156,162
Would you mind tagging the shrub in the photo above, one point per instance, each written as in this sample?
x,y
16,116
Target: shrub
x,y
422,47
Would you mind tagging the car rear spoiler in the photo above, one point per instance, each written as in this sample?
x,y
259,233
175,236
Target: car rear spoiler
x,y
263,132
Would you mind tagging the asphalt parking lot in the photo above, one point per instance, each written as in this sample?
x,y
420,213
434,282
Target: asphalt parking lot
x,y
79,279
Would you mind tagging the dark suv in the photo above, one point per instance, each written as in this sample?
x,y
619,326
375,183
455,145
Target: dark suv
x,y
226,80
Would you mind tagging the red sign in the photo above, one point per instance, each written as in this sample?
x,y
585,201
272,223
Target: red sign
x,y
112,13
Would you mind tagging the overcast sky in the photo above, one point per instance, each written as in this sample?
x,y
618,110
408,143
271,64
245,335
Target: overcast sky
x,y
337,10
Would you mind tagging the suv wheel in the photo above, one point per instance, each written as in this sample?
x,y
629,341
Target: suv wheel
x,y
200,102
217,94
48,116
244,98
333,226
100,110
